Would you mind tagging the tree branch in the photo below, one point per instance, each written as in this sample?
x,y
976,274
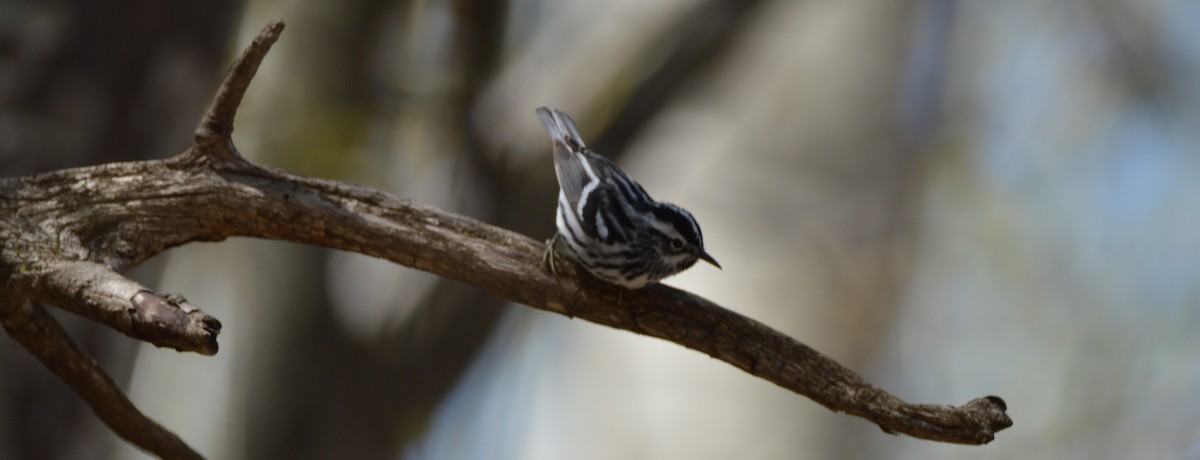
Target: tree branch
x,y
117,215
41,334
217,124
98,293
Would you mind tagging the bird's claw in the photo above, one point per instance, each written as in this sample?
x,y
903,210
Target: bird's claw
x,y
550,257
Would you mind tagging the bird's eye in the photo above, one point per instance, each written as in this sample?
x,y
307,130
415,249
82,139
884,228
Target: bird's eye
x,y
676,244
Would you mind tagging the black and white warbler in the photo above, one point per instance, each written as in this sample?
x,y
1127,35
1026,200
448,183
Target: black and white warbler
x,y
610,224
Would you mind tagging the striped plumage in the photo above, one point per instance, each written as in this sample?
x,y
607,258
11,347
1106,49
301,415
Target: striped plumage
x,y
610,224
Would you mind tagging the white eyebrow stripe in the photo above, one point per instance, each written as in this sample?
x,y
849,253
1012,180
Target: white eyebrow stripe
x,y
663,227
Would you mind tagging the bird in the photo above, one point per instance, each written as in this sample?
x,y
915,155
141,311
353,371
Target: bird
x,y
608,222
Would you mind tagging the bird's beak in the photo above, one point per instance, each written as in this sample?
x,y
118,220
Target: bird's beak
x,y
707,258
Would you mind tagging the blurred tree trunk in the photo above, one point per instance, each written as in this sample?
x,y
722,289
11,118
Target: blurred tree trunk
x,y
86,83
378,82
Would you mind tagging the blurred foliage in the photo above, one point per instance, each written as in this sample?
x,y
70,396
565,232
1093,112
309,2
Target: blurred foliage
x,y
954,198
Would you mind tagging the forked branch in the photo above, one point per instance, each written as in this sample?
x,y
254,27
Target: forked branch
x,y
211,192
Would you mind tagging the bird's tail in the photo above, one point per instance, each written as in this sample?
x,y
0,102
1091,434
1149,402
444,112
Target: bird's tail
x,y
562,128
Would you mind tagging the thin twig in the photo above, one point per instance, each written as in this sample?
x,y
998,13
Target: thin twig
x,y
217,124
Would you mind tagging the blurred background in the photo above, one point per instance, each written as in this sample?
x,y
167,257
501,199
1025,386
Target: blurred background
x,y
954,198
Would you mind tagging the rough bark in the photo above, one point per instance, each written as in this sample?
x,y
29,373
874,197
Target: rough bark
x,y
68,234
